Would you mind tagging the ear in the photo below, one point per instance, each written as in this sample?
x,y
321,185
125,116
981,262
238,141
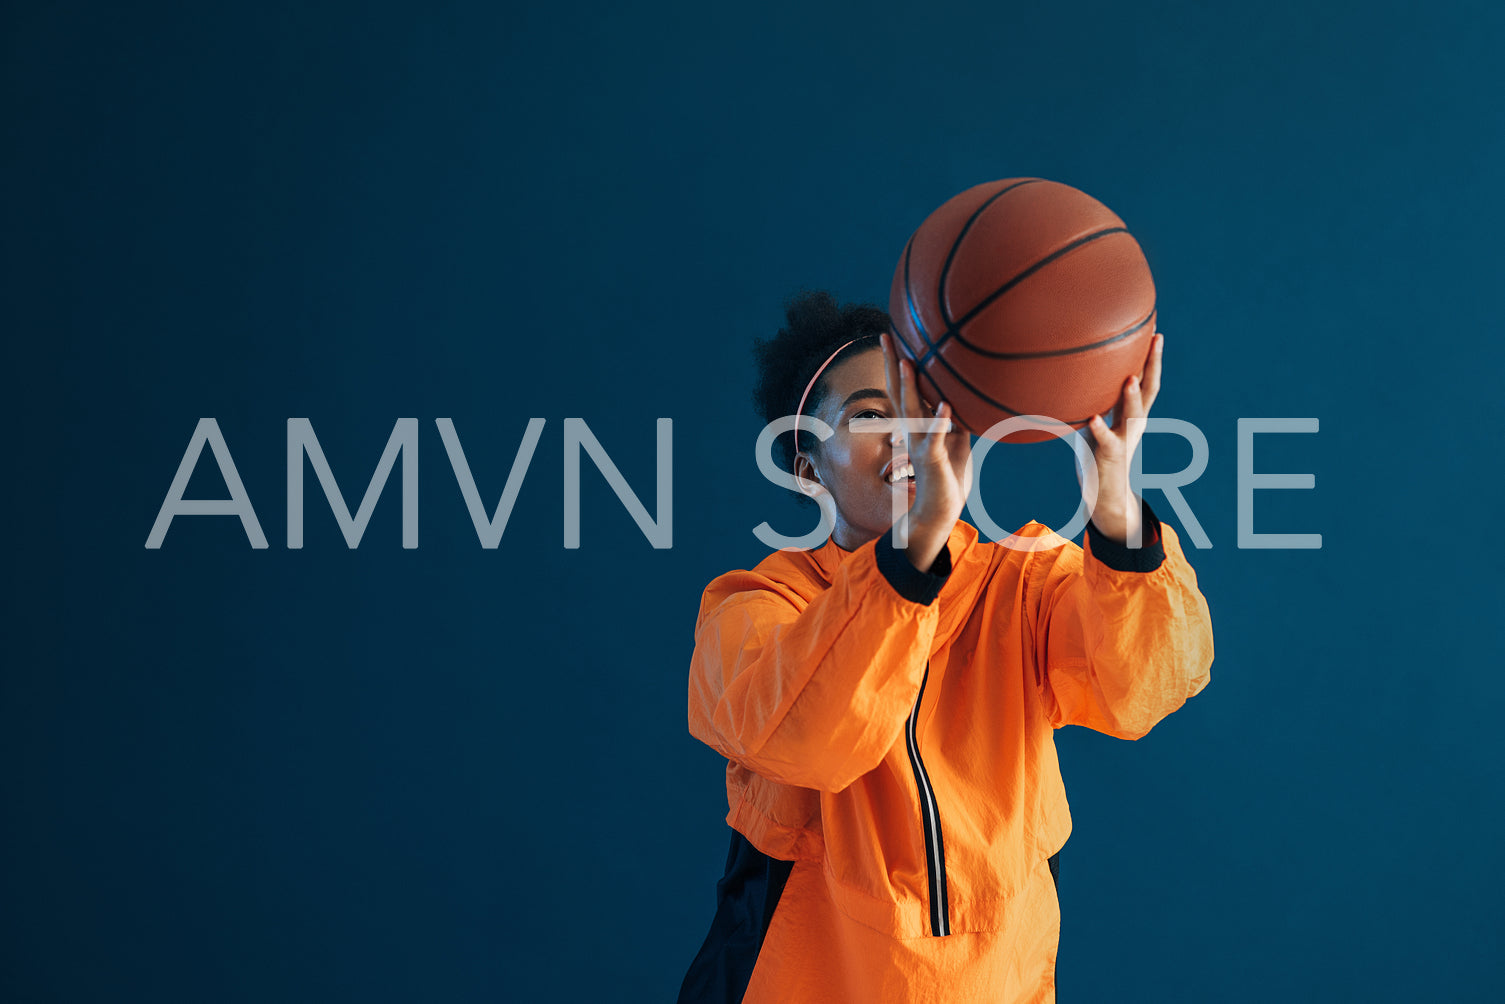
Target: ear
x,y
806,476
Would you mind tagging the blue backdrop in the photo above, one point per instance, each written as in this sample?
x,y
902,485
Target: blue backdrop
x,y
459,774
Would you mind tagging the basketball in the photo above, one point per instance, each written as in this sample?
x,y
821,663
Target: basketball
x,y
1023,297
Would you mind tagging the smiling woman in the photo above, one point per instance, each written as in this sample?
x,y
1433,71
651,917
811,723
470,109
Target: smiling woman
x,y
888,714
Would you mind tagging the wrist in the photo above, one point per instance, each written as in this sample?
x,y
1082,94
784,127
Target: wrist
x,y
1145,555
924,547
913,583
1119,521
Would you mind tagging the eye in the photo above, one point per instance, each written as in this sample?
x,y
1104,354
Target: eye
x,y
869,413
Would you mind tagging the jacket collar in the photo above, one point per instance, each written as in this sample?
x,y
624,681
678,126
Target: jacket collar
x,y
829,557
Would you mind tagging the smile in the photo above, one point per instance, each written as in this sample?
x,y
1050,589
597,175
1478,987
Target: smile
x,y
901,472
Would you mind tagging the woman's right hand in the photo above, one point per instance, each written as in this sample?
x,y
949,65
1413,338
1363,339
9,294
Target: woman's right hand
x,y
942,462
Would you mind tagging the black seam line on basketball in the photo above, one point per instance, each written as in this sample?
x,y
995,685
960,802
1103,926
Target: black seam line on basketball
x,y
921,373
1046,353
914,313
930,347
997,404
940,298
925,375
953,328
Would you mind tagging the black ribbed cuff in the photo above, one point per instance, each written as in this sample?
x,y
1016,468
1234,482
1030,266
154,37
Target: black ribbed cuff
x,y
907,580
1122,558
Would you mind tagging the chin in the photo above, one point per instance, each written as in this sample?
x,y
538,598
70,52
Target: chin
x,y
904,502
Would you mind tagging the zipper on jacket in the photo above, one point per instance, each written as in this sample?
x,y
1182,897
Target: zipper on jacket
x,y
930,818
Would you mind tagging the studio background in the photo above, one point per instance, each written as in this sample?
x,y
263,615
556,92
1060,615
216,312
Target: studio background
x,y
459,774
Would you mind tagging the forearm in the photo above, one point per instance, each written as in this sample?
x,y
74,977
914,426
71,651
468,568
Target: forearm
x,y
1129,637
816,697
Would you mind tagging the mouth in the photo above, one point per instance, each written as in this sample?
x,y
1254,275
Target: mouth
x,y
900,472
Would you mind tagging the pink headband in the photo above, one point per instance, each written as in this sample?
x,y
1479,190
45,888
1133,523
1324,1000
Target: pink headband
x,y
798,412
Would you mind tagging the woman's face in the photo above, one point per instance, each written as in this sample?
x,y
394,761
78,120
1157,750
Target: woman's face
x,y
857,468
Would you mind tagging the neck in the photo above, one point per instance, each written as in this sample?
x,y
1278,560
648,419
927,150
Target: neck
x,y
847,538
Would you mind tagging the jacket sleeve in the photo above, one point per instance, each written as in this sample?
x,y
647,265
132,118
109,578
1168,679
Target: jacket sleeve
x,y
1122,636
814,695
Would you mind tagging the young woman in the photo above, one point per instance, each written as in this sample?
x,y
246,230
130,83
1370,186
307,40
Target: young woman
x,y
888,714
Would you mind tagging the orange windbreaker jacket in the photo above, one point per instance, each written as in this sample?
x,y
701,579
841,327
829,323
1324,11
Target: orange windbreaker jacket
x,y
896,727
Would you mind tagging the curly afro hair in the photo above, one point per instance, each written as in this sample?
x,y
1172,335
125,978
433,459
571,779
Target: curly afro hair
x,y
815,325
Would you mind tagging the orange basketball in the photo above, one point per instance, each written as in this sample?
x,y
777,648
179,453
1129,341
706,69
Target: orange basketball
x,y
1024,297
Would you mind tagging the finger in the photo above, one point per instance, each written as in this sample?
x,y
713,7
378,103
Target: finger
x,y
1150,379
902,389
1097,431
1105,441
909,394
941,447
945,427
935,445
958,441
915,406
955,431
890,368
1133,402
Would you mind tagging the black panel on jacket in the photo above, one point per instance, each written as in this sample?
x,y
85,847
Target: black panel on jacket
x,y
745,900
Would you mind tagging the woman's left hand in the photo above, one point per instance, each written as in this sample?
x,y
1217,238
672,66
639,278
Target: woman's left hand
x,y
1116,512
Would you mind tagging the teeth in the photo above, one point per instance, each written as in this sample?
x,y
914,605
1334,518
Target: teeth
x,y
904,471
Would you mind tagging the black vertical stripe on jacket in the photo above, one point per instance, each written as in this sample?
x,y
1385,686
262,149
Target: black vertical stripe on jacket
x,y
746,897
